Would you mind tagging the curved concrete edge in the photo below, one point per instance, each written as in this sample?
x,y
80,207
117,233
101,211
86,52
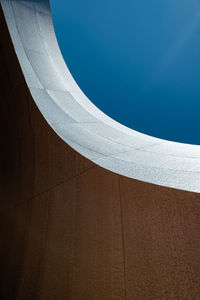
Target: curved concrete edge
x,y
77,121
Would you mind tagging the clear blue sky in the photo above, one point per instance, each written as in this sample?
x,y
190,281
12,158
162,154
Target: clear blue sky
x,y
137,60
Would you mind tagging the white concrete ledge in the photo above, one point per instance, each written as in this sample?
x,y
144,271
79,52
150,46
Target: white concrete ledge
x,y
77,121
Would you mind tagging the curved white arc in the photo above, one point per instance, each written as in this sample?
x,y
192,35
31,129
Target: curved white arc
x,y
78,121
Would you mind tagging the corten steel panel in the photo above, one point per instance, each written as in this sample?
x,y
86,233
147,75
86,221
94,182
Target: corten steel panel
x,y
70,229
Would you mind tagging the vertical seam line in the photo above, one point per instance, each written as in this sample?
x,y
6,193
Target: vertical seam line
x,y
123,244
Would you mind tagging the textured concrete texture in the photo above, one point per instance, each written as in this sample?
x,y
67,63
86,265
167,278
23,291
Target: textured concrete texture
x,y
70,229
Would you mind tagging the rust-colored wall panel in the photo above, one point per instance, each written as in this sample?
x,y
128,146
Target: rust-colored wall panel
x,y
34,248
99,264
83,257
162,244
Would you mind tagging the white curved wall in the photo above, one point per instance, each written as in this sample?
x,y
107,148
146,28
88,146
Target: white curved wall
x,y
77,121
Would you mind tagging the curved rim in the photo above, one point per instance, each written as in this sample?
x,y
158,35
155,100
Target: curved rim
x,y
78,121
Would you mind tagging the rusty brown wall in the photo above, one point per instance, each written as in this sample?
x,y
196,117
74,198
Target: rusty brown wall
x,y
72,230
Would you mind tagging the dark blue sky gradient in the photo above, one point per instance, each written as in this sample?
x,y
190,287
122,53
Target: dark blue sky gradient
x,y
138,61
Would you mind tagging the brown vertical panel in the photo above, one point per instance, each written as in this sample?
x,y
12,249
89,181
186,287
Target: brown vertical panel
x,y
34,248
55,280
162,243
98,271
84,255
